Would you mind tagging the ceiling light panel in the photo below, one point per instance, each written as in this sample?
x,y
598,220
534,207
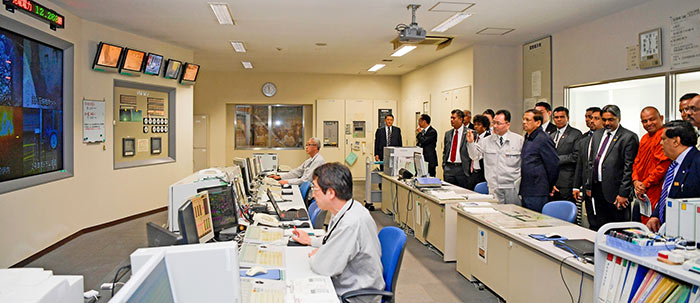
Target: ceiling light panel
x,y
450,22
238,46
247,64
495,31
452,7
222,13
403,50
376,67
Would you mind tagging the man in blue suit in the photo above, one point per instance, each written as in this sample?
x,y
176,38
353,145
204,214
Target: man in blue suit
x,y
540,163
683,175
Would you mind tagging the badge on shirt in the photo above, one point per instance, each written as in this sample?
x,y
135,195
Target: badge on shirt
x,y
676,183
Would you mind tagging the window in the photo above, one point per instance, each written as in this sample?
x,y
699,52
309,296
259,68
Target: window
x,y
630,95
685,83
270,126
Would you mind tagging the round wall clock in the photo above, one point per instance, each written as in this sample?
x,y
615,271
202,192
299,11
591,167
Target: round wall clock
x,y
269,89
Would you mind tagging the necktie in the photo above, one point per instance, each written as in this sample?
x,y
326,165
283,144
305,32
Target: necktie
x,y
664,191
453,149
556,139
388,136
600,154
500,140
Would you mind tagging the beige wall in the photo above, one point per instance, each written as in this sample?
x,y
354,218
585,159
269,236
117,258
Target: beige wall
x,y
214,90
37,217
498,81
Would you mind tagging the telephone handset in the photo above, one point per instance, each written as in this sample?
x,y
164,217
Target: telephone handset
x,y
266,219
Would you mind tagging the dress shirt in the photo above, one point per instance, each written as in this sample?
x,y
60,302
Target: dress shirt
x,y
544,126
352,253
304,172
458,158
477,164
605,152
501,163
559,133
678,160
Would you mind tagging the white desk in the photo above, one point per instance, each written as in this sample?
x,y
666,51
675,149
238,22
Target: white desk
x,y
517,267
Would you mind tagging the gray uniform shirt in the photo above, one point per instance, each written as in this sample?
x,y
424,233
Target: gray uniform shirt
x,y
304,172
502,163
352,253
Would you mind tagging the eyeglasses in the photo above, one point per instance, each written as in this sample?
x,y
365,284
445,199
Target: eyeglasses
x,y
499,123
307,144
692,109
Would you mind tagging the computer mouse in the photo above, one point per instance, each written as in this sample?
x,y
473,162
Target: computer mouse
x,y
553,235
255,270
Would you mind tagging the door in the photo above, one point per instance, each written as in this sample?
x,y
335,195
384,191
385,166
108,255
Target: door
x,y
330,129
200,155
359,140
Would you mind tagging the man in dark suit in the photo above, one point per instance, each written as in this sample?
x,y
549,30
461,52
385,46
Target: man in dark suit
x,y
426,137
582,151
683,175
456,162
539,165
388,135
546,111
565,140
610,162
468,119
481,127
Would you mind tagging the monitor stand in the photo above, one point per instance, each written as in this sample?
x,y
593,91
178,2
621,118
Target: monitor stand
x,y
228,234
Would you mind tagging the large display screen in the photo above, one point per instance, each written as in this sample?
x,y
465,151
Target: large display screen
x,y
31,107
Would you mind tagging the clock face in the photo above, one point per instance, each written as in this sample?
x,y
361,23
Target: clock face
x,y
269,89
649,44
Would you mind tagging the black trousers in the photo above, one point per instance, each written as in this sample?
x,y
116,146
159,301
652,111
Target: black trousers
x,y
605,211
453,173
475,178
431,170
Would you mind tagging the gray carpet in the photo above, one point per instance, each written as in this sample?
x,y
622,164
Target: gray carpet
x,y
97,256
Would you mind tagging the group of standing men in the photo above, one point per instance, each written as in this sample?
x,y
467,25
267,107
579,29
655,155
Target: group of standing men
x,y
606,168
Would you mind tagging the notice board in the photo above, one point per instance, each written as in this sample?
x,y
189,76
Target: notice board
x,y
537,72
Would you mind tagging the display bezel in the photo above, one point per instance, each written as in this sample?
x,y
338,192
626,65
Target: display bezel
x,y
177,73
100,46
145,63
125,56
184,71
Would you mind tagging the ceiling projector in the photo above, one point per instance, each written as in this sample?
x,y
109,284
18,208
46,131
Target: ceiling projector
x,y
412,34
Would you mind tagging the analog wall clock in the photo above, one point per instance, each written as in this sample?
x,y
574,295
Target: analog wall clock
x,y
269,89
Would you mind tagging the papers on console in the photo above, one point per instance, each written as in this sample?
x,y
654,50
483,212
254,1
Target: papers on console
x,y
444,194
474,204
262,234
311,289
480,210
479,197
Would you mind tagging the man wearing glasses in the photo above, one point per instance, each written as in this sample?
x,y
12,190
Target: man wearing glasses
x,y
350,252
693,112
305,171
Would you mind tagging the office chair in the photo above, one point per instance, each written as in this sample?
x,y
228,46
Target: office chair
x,y
304,188
313,212
393,241
482,188
563,210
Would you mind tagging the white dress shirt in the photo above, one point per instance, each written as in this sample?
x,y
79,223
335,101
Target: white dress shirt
x,y
304,172
605,152
559,133
501,163
678,160
458,159
477,164
544,126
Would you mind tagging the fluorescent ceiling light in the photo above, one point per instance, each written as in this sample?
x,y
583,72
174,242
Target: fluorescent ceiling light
x,y
450,22
403,50
376,67
238,46
247,64
222,13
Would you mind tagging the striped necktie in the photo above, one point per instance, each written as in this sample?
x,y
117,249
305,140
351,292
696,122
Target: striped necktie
x,y
664,190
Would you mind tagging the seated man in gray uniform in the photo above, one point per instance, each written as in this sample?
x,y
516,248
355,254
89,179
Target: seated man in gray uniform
x,y
303,173
350,252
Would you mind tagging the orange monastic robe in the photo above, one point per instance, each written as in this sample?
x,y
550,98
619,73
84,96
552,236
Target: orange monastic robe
x,y
650,166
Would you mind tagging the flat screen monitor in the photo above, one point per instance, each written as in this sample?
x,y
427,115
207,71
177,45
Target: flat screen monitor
x,y
224,212
172,69
243,164
31,107
159,236
189,73
252,174
132,60
419,164
108,55
187,224
151,283
153,64
202,216
156,145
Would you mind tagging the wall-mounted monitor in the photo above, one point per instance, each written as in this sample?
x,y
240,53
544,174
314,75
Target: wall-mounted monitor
x,y
107,56
172,69
153,64
156,145
132,61
128,147
189,73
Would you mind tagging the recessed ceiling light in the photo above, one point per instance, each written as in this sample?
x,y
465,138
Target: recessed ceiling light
x,y
247,64
495,31
450,22
238,46
222,12
451,7
321,44
376,67
387,60
403,50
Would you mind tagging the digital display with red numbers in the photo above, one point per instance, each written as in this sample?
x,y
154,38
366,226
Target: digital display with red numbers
x,y
37,10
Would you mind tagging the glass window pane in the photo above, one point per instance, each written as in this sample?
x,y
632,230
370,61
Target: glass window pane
x,y
251,126
630,95
685,83
287,126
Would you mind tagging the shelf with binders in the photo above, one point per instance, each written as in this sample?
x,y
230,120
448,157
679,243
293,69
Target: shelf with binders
x,y
653,278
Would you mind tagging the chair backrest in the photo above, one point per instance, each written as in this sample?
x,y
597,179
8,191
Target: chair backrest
x,y
564,210
320,221
313,211
304,188
393,241
482,188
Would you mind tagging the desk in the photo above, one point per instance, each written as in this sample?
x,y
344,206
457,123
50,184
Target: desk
x,y
297,201
517,267
433,220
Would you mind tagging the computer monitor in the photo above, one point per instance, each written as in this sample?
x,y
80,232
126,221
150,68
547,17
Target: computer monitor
x,y
268,161
159,236
151,283
420,165
257,162
252,174
201,211
188,226
224,212
243,164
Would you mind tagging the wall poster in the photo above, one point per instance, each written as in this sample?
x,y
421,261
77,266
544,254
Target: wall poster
x,y
537,71
93,121
685,39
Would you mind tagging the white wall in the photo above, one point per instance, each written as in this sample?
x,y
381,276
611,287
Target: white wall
x,y
37,217
498,81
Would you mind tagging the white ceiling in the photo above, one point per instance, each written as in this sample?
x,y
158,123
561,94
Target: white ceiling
x,y
358,33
